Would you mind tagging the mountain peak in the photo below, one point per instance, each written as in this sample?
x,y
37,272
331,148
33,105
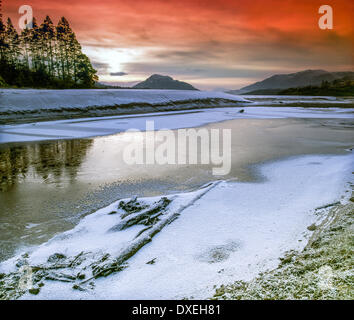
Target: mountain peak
x,y
159,77
157,81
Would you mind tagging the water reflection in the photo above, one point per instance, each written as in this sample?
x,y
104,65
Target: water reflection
x,y
47,160
13,166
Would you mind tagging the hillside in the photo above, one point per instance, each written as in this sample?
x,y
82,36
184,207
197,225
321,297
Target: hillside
x,y
157,81
294,80
340,87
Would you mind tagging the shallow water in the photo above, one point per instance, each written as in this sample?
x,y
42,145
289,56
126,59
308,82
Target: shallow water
x,y
46,187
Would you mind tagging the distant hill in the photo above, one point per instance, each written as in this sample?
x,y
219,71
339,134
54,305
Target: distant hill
x,y
265,92
291,80
157,81
100,85
339,87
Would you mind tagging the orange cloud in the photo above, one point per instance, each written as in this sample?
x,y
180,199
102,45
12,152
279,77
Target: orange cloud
x,y
223,36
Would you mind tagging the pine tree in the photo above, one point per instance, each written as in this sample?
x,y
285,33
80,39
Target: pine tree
x,y
63,47
44,56
25,39
13,40
86,74
35,46
48,37
3,44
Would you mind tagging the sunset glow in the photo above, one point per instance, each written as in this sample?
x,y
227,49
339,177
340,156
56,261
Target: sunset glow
x,y
210,44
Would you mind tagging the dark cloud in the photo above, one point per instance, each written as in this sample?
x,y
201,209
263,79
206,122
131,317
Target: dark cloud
x,y
205,71
190,54
118,74
101,67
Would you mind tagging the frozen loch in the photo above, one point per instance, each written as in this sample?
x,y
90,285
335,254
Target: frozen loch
x,y
183,245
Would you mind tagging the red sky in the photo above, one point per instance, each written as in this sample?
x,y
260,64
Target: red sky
x,y
211,44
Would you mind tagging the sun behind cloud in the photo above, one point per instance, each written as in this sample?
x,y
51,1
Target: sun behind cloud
x,y
226,43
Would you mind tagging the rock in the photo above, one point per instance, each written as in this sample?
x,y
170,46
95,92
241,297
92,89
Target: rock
x,y
352,199
7,288
242,111
56,257
286,259
312,227
34,291
131,206
59,276
219,292
153,261
22,262
105,267
77,287
81,276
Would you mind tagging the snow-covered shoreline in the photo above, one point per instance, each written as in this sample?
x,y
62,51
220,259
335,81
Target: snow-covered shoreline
x,y
22,99
322,271
17,105
36,115
30,105
100,126
228,231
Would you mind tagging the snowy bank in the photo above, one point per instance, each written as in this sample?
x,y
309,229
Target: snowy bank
x,y
279,100
322,271
46,104
100,126
183,245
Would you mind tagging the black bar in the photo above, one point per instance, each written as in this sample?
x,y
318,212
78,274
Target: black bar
x,y
167,309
